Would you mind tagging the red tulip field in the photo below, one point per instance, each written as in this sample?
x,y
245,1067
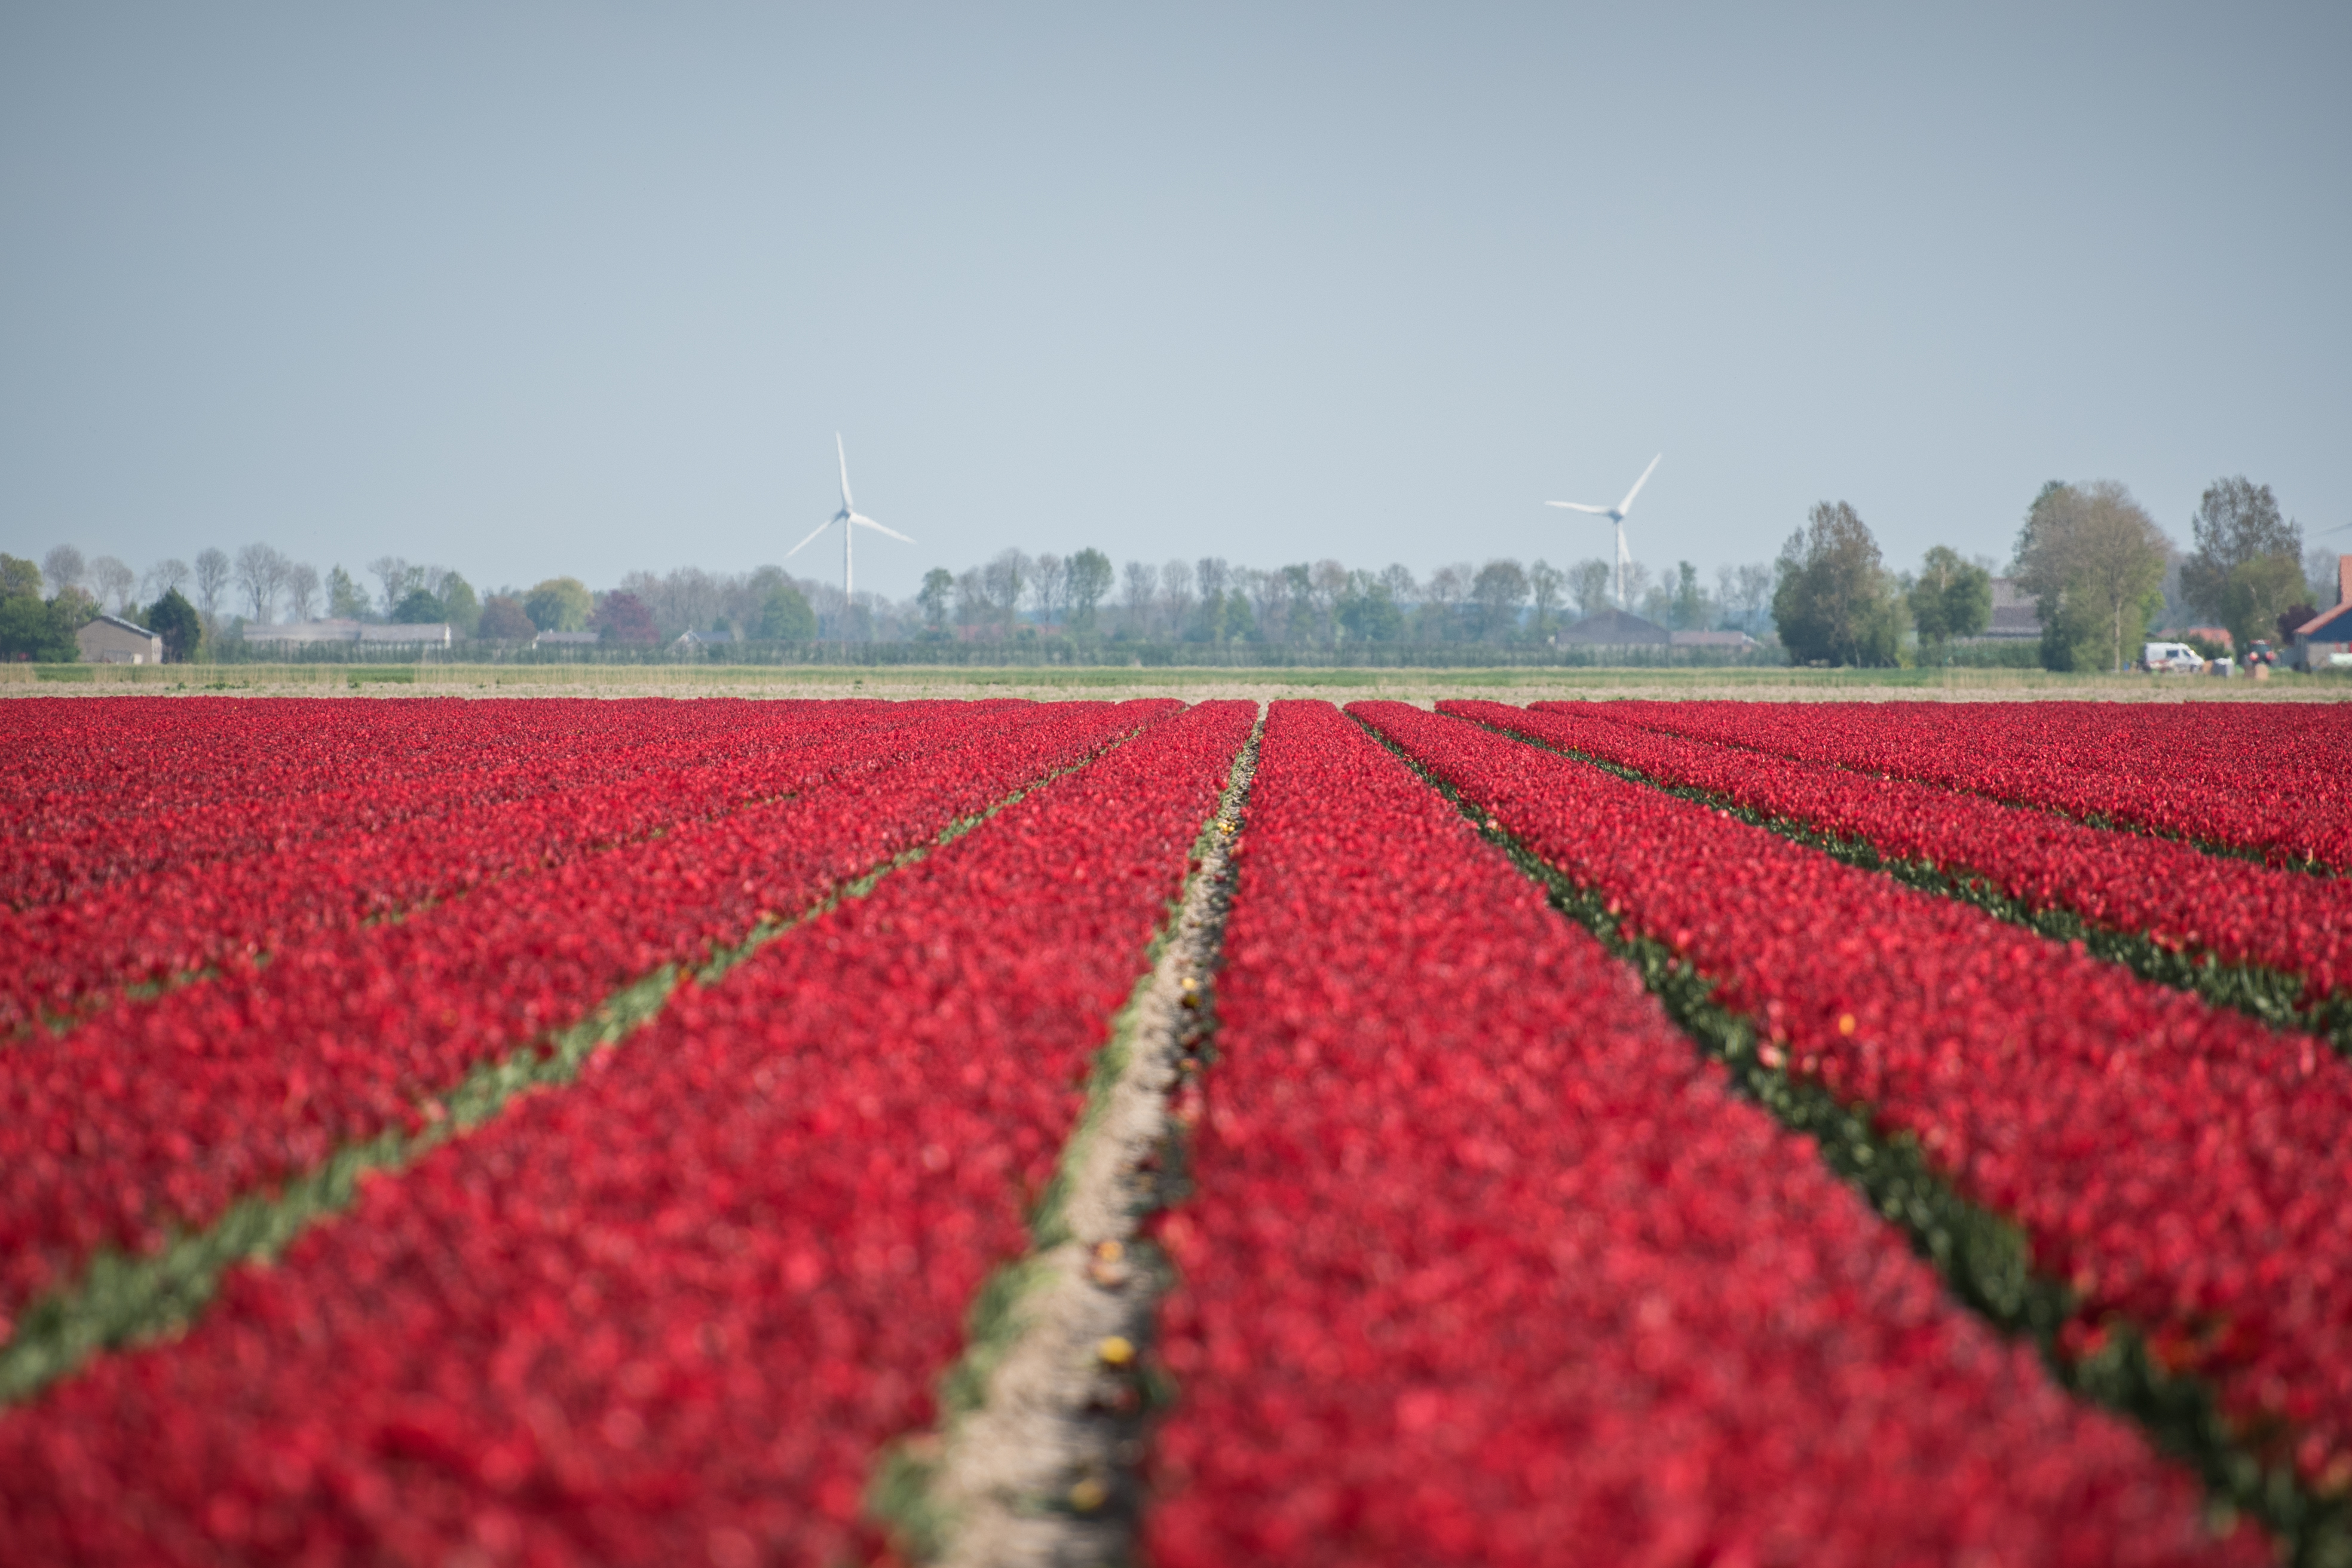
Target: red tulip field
x,y
819,1132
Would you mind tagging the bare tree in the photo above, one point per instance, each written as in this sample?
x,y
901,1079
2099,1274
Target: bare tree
x,y
1089,581
2322,574
1588,585
1176,596
1638,581
262,574
972,608
1402,586
302,590
163,577
1325,582
1049,583
1544,584
397,578
113,579
1442,599
694,597
1140,585
211,579
1211,576
1007,578
1746,591
63,568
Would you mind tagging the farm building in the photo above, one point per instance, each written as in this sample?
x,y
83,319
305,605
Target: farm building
x,y
2014,613
110,640
1614,628
2324,641
308,634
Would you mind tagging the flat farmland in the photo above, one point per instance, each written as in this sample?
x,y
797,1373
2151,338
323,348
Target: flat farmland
x,y
1184,1120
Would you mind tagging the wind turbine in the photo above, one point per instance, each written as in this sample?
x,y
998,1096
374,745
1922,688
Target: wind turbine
x,y
1616,515
851,520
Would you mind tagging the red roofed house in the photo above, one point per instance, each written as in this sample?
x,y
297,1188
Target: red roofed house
x,y
2324,641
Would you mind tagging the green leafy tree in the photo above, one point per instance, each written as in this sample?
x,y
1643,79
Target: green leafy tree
x,y
1689,608
176,620
42,630
1496,593
459,608
1367,611
1834,602
937,597
1090,579
2247,563
346,600
19,577
1951,597
2093,561
419,609
31,626
786,616
560,604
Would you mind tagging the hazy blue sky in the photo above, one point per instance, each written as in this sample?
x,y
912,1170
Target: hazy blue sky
x,y
537,289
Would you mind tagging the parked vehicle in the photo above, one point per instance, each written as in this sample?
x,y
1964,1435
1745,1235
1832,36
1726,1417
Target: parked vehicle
x,y
2175,657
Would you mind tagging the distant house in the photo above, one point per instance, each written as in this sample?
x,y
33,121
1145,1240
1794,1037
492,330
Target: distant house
x,y
1713,639
408,635
687,642
567,639
298,634
110,640
311,634
1614,628
2324,641
2014,613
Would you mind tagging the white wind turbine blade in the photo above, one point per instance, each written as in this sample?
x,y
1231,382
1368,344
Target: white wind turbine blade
x,y
843,453
1579,506
861,516
804,544
1627,504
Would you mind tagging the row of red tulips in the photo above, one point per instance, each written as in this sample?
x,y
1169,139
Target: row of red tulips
x,y
148,1119
1485,1263
671,1313
2180,1166
255,777
2256,777
2178,896
215,914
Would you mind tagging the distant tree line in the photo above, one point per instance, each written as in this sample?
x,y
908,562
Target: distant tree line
x,y
1321,604
2099,570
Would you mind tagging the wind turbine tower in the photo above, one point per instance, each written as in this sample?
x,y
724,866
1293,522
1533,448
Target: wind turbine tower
x,y
1616,515
851,520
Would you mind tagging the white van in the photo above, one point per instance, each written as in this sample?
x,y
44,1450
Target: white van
x,y
2177,656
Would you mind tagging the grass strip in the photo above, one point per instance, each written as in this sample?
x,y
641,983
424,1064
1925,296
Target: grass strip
x,y
2272,996
1983,1256
121,1300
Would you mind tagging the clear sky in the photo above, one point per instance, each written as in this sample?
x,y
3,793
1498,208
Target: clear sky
x,y
537,289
